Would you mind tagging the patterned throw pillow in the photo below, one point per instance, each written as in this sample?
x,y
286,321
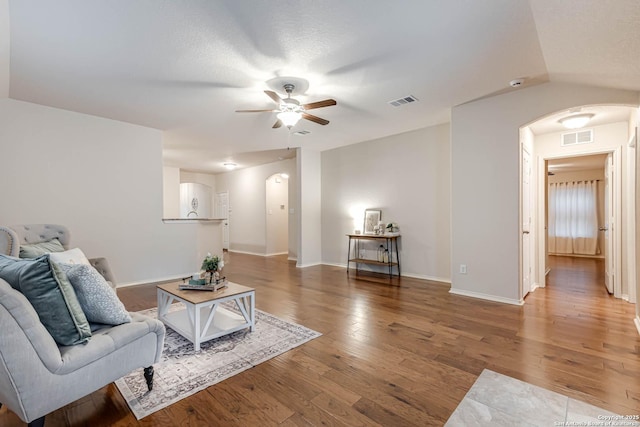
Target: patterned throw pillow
x,y
97,299
72,256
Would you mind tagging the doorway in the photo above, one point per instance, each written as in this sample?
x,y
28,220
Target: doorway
x,y
223,212
546,142
277,218
581,210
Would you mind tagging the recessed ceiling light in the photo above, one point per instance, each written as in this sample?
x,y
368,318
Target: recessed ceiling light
x,y
229,165
576,121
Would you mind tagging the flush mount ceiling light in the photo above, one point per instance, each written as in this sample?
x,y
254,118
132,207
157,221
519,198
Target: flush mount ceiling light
x,y
576,121
284,175
230,166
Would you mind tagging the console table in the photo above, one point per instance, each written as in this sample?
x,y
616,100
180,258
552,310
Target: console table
x,y
390,242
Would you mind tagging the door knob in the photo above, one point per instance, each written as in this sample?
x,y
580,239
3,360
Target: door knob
x,y
603,228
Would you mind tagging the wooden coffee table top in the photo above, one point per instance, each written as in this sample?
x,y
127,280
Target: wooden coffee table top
x,y
197,297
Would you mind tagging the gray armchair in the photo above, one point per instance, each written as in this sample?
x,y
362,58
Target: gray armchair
x,y
36,375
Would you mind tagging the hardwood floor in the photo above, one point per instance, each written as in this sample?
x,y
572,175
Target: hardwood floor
x,y
398,355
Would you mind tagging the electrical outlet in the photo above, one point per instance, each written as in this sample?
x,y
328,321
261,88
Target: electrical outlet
x,y
463,268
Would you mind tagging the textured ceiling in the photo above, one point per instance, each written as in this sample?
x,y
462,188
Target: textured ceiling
x,y
185,67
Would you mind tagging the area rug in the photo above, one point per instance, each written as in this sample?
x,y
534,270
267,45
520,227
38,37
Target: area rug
x,y
181,372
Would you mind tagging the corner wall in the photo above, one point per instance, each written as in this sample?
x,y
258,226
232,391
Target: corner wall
x,y
485,181
100,178
247,205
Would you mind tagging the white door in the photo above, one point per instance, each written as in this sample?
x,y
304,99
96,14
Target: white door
x,y
526,222
609,215
223,211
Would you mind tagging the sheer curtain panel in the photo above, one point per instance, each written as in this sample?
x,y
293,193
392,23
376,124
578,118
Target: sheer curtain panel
x,y
573,218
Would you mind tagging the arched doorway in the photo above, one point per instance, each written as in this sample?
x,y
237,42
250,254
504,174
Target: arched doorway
x,y
544,140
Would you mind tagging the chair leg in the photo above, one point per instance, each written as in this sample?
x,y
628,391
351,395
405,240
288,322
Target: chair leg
x,y
148,376
37,423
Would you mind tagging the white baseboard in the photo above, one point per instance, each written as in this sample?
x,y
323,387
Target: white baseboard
x,y
429,278
276,254
292,259
412,275
334,264
637,322
312,264
245,252
485,296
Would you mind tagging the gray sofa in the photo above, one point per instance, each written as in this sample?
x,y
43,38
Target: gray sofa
x,y
36,375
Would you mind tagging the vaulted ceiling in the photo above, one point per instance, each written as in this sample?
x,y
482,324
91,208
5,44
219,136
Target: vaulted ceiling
x,y
185,66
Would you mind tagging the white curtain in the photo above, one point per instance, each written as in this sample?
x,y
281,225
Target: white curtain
x,y
573,218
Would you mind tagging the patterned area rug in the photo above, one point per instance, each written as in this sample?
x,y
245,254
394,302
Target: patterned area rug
x,y
181,372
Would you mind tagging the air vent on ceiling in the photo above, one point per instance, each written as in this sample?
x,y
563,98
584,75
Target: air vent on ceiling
x,y
404,100
302,132
579,137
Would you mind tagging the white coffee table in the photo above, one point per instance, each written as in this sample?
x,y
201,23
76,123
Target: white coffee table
x,y
203,318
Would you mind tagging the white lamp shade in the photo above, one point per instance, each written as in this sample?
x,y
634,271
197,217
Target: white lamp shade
x,y
289,118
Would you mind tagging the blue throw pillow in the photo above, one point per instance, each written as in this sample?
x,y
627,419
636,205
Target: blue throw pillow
x,y
97,299
48,290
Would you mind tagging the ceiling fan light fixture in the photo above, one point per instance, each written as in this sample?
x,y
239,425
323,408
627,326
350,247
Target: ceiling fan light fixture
x,y
576,121
289,118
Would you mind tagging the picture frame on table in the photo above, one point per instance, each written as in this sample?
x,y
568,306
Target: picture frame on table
x,y
371,219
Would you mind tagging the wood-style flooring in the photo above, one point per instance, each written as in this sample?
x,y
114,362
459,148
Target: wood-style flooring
x,y
399,354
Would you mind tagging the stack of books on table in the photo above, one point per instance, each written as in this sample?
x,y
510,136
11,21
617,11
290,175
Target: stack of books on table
x,y
201,285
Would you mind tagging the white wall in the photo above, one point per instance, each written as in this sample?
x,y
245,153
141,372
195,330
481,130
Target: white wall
x,y
277,199
309,193
247,204
485,181
171,192
4,48
103,180
407,176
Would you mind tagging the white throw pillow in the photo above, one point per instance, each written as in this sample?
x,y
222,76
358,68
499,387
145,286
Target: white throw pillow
x,y
97,299
72,256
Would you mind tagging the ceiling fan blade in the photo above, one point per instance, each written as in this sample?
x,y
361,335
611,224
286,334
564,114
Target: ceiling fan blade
x,y
315,119
319,104
254,111
277,124
271,94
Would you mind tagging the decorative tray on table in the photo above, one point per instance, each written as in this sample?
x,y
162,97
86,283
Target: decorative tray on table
x,y
201,285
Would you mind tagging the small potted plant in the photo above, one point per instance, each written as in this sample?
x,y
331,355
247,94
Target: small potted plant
x,y
212,264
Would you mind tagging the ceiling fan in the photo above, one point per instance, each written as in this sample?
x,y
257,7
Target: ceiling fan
x,y
290,111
